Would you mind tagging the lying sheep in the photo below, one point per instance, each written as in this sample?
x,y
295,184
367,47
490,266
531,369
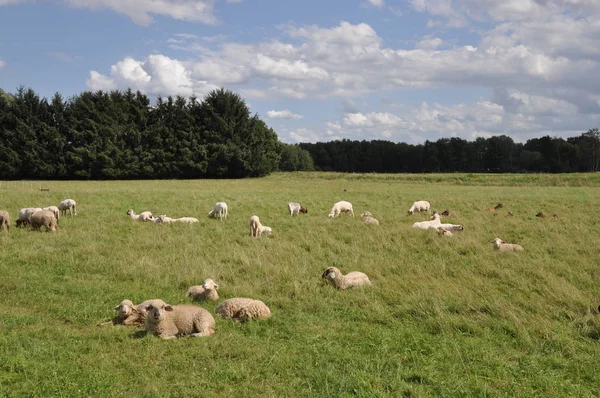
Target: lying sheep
x,y
443,232
44,218
296,208
169,322
243,309
68,205
143,216
542,215
502,246
168,220
129,314
497,207
342,282
255,226
219,211
369,219
4,220
341,207
419,206
450,227
435,221
25,215
206,291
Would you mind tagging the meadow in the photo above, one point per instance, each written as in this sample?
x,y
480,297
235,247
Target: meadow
x,y
445,317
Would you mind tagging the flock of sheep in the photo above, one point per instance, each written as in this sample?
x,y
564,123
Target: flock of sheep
x,y
167,321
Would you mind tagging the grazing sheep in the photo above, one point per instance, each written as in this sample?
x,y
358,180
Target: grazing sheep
x,y
369,219
54,210
143,216
435,221
45,218
264,230
542,215
4,220
219,211
206,291
243,309
419,206
255,226
341,207
169,322
68,205
502,246
497,207
25,215
342,282
296,208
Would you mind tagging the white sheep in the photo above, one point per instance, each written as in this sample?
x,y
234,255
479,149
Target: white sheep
x,y
168,220
243,309
502,246
206,291
444,232
264,230
4,220
341,207
255,226
435,222
129,313
54,210
143,216
187,220
219,211
450,227
419,206
369,219
68,205
352,279
25,215
296,208
169,322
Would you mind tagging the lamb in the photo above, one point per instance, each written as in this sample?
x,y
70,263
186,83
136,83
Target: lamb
x,y
243,309
542,215
341,207
264,230
342,282
450,227
435,221
68,205
369,219
443,232
25,215
502,246
295,207
419,206
45,218
206,291
169,322
219,211
497,207
255,226
129,314
54,210
4,220
143,216
168,220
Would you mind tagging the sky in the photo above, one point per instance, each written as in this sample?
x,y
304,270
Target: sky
x,y
396,70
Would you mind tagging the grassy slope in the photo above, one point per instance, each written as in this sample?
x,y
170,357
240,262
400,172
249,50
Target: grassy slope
x,y
444,317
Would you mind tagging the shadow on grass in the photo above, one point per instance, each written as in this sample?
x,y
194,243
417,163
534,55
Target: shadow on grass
x,y
140,334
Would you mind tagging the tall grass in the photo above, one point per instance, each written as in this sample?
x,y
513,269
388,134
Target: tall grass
x,y
444,317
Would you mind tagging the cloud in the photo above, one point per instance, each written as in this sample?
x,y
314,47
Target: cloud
x,y
376,3
2,64
429,43
284,114
65,57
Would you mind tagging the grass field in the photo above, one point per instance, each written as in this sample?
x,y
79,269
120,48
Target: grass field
x,y
444,316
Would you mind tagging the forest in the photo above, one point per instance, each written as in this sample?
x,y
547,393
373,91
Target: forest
x,y
122,135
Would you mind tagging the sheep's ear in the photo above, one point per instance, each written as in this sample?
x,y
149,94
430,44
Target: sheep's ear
x,y
216,286
117,308
168,308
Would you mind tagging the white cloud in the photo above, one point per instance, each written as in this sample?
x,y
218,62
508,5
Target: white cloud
x,y
2,64
7,2
284,114
429,43
345,33
376,3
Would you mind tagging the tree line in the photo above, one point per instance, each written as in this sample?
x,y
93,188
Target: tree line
x,y
120,135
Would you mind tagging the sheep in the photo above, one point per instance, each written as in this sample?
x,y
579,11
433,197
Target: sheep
x,y
419,206
168,220
243,309
206,291
443,232
542,215
129,314
369,219
295,207
264,230
169,322
341,207
435,221
450,227
255,226
445,213
187,220
497,207
342,282
68,205
25,215
143,216
4,220
45,218
54,210
219,211
502,246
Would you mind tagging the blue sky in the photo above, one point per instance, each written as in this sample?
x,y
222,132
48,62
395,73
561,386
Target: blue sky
x,y
406,71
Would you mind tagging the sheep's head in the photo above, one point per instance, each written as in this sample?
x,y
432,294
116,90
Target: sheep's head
x,y
330,273
125,308
410,212
267,230
497,242
209,284
540,214
157,310
130,212
499,206
366,214
445,213
330,215
435,216
303,209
